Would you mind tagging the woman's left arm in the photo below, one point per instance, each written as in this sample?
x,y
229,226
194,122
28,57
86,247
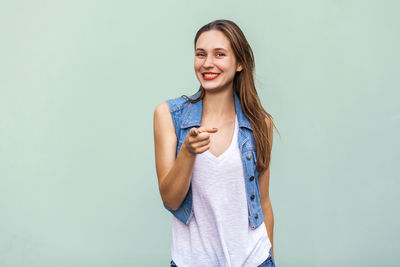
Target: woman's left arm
x,y
263,181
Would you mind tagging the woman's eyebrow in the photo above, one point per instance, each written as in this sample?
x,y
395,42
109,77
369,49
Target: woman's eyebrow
x,y
218,48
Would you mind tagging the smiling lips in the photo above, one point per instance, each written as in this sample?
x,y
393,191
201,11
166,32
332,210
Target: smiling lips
x,y
210,75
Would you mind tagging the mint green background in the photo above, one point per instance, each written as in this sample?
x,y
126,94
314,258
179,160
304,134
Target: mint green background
x,y
79,81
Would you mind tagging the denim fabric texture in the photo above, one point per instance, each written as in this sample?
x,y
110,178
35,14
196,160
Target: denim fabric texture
x,y
186,115
269,262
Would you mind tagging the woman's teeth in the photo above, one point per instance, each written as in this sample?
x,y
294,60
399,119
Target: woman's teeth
x,y
210,75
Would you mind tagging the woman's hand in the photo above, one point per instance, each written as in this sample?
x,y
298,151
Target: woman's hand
x,y
198,139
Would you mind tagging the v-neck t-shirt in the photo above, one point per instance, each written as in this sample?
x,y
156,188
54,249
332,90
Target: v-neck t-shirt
x,y
219,233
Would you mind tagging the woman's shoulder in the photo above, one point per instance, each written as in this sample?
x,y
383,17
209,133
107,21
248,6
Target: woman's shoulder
x,y
178,103
173,106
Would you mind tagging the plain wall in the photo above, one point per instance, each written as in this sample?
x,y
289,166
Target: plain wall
x,y
79,81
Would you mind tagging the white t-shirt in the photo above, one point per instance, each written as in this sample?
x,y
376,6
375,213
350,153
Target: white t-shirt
x,y
219,234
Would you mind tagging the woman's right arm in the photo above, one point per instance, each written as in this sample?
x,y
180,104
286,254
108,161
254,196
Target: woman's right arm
x,y
174,175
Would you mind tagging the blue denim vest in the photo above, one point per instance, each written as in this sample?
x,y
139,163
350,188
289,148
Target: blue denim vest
x,y
186,115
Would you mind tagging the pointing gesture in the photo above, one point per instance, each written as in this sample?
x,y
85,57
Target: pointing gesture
x,y
198,139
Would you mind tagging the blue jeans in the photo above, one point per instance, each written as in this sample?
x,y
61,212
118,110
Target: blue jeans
x,y
269,262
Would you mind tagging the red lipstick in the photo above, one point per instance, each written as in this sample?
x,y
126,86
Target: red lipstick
x,y
210,77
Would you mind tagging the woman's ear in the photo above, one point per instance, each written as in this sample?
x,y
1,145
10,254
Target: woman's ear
x,y
239,67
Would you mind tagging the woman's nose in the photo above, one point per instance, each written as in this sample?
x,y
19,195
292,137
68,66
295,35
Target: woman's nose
x,y
208,62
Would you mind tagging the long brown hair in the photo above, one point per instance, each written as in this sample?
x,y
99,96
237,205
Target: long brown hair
x,y
243,85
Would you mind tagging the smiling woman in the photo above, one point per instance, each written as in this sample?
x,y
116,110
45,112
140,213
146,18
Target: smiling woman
x,y
213,153
215,63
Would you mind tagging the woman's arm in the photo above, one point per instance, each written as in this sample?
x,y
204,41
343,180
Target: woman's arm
x,y
174,175
263,181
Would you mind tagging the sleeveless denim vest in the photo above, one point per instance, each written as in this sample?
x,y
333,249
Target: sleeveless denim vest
x,y
186,115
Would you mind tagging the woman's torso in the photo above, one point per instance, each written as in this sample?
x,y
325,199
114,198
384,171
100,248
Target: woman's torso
x,y
185,115
219,233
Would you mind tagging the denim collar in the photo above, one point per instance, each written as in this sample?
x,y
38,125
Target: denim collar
x,y
195,112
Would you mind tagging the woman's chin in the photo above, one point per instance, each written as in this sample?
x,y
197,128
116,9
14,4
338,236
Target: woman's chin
x,y
216,88
210,85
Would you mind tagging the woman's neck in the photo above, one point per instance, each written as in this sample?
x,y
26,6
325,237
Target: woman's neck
x,y
219,104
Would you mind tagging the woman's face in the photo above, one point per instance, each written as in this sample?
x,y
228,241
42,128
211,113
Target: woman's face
x,y
214,62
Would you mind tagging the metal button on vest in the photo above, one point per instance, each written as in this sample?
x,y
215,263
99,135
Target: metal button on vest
x,y
256,216
249,156
252,197
251,178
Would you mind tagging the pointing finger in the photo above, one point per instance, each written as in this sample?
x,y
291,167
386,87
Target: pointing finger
x,y
208,130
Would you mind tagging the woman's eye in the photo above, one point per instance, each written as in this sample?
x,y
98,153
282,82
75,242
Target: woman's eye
x,y
202,55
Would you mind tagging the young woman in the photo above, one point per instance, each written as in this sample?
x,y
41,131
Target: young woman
x,y
212,155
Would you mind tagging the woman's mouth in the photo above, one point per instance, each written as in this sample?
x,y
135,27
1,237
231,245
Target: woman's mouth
x,y
210,76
